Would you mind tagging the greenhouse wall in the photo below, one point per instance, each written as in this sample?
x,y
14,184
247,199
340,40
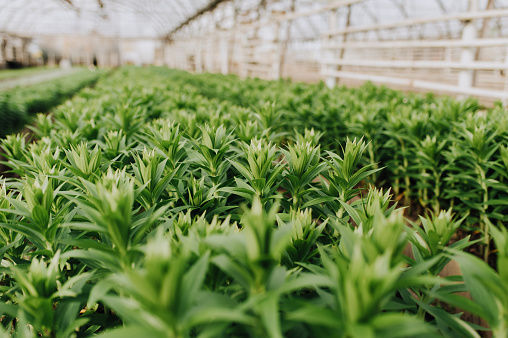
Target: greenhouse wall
x,y
457,47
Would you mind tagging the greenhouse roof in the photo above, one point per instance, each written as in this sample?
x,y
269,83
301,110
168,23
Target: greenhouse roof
x,y
124,18
160,18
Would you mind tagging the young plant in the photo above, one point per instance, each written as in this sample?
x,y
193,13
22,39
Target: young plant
x,y
115,145
14,147
108,208
152,177
304,166
432,168
268,115
83,162
305,233
343,177
209,153
263,174
44,125
368,124
252,259
49,300
43,159
166,296
471,162
431,240
364,274
488,291
13,243
167,137
42,213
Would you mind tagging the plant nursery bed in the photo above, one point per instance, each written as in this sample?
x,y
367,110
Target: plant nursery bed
x,y
152,205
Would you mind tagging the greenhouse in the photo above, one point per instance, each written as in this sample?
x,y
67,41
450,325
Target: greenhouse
x,y
254,168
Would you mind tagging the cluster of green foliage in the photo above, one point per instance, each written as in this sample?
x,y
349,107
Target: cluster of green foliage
x,y
145,209
9,74
438,153
17,104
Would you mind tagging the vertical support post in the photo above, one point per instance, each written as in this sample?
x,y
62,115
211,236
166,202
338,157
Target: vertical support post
x,y
242,64
481,33
172,57
51,58
469,32
204,56
331,81
283,48
183,56
343,39
186,57
25,57
448,58
168,55
224,55
198,58
231,43
3,52
208,55
216,54
118,47
258,41
231,38
180,56
277,53
505,73
176,57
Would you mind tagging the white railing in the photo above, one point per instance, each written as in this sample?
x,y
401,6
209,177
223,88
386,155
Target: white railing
x,y
381,61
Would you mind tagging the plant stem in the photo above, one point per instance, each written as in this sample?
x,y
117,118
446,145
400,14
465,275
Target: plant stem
x,y
406,176
340,212
437,192
425,193
372,161
484,224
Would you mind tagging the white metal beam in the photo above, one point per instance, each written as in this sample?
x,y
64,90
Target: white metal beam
x,y
412,84
470,66
407,44
495,13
